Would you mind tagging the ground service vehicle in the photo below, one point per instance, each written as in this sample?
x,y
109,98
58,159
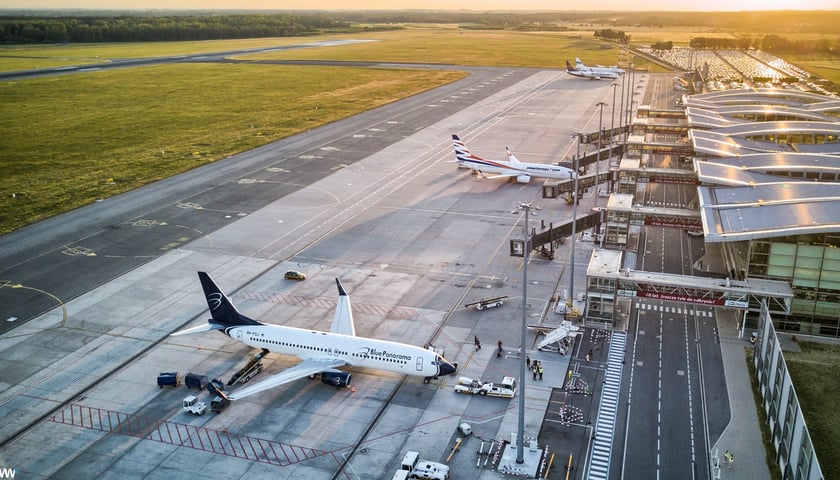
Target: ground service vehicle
x,y
487,302
506,388
168,379
194,380
220,400
250,369
192,405
219,403
424,469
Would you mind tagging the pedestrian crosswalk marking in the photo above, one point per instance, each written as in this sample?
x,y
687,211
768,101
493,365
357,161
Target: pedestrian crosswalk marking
x,y
599,462
670,309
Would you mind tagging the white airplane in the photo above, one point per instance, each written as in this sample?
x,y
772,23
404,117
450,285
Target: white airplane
x,y
512,169
594,73
322,352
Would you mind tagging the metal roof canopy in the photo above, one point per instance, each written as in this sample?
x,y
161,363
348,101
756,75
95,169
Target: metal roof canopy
x,y
720,117
718,143
759,168
765,96
732,214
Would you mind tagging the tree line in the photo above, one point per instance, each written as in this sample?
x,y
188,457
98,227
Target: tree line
x,y
612,35
143,28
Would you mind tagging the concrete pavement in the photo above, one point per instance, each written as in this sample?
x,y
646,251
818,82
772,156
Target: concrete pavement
x,y
742,436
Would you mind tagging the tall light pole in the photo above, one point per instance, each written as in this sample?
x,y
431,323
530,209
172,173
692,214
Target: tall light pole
x,y
574,225
600,105
631,94
520,434
632,66
621,110
612,122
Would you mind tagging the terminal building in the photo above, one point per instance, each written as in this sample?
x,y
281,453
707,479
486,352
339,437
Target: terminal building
x,y
765,165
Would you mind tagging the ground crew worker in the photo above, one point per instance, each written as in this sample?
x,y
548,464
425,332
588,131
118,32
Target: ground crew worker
x,y
539,365
499,353
528,362
729,458
534,369
477,344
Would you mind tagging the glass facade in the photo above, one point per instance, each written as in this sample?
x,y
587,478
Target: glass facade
x,y
811,263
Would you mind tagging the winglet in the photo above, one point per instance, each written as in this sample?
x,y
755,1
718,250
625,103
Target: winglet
x,y
510,156
343,320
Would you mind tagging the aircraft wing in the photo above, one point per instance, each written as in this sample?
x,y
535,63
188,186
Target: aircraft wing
x,y
503,175
343,320
310,366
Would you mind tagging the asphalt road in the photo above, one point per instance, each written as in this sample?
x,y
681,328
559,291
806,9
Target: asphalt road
x,y
676,402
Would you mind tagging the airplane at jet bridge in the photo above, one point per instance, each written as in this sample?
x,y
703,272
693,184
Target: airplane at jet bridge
x,y
512,169
322,353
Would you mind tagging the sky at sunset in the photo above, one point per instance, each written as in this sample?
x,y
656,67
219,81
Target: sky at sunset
x,y
478,5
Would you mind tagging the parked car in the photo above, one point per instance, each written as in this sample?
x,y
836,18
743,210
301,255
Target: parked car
x,y
294,275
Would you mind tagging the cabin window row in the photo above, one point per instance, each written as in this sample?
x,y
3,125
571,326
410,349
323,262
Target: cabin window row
x,y
336,352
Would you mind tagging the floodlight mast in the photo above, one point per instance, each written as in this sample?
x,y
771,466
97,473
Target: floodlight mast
x,y
574,222
520,434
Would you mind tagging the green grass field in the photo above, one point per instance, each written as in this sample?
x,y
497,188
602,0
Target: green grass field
x,y
450,45
28,57
816,377
75,139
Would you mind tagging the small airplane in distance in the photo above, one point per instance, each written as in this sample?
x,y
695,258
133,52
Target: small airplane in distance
x,y
512,169
594,73
322,352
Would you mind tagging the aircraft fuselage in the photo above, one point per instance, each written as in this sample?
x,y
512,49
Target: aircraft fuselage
x,y
355,351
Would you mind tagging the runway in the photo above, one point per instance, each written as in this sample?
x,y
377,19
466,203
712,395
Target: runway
x,y
372,200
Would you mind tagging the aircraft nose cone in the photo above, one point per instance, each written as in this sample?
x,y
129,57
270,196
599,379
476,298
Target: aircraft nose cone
x,y
446,368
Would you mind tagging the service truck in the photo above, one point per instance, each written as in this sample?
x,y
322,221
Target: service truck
x,y
220,400
506,388
487,302
192,405
423,469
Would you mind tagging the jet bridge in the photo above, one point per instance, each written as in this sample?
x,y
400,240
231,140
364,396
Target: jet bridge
x,y
590,158
556,188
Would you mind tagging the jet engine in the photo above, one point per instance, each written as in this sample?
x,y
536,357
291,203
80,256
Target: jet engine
x,y
523,179
336,378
